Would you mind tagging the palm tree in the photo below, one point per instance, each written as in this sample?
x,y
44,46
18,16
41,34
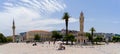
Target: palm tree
x,y
92,33
66,18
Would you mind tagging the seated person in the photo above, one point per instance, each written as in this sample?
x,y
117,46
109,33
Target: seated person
x,y
34,44
61,47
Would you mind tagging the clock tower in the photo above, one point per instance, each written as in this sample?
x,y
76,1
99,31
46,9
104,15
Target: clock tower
x,y
81,35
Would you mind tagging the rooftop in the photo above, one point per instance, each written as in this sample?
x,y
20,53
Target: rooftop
x,y
38,31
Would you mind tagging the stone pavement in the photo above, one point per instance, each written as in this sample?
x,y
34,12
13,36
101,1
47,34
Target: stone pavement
x,y
23,48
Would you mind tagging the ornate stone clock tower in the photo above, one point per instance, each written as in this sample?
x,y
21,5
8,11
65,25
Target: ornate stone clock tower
x,y
81,36
81,24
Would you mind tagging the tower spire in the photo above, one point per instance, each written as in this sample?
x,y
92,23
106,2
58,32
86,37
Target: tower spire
x,y
13,24
81,14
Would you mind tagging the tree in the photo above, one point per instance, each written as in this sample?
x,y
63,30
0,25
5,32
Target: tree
x,y
92,33
37,37
2,38
9,39
66,18
70,37
56,36
88,35
98,39
116,38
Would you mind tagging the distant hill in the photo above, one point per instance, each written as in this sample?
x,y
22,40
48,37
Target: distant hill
x,y
117,34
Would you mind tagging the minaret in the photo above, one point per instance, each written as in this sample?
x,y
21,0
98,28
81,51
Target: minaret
x,y
13,28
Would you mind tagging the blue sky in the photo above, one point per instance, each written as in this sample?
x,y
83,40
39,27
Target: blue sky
x,y
103,15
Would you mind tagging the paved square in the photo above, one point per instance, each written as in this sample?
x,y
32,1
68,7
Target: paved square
x,y
23,48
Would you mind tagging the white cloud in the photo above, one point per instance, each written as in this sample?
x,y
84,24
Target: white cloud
x,y
25,13
8,4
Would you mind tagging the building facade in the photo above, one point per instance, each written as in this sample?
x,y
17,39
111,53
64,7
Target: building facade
x,y
44,35
18,38
73,32
106,36
23,35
